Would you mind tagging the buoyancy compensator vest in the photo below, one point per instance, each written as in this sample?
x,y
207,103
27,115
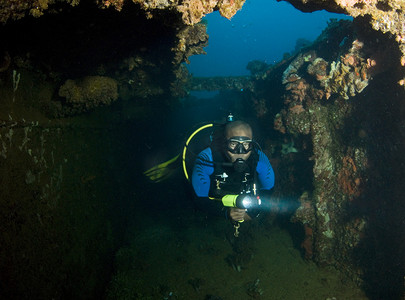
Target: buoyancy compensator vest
x,y
226,179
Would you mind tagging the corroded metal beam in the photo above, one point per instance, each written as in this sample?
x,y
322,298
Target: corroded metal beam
x,y
220,83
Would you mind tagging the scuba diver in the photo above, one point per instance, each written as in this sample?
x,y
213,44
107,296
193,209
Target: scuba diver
x,y
232,175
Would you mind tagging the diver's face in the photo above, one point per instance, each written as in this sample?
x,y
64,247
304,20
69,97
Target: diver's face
x,y
239,143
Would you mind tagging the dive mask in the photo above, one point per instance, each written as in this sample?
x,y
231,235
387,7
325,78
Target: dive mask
x,y
239,144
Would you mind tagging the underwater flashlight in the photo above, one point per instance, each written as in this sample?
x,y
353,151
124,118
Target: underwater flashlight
x,y
243,201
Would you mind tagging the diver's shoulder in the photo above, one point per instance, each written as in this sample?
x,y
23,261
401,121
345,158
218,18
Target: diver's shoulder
x,y
261,155
205,152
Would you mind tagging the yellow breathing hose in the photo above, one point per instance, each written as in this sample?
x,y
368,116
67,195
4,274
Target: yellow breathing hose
x,y
186,145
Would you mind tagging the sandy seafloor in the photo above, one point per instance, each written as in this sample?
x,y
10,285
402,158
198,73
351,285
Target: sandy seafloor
x,y
170,248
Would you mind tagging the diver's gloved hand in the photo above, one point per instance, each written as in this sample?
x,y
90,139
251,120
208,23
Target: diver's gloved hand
x,y
239,205
238,214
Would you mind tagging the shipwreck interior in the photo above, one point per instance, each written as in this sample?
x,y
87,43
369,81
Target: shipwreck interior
x,y
94,93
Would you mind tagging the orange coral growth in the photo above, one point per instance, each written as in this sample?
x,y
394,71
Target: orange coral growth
x,y
117,4
348,161
347,179
193,11
371,62
298,89
349,59
292,78
228,8
297,109
278,124
307,244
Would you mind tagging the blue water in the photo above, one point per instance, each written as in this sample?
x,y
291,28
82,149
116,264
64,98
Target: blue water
x,y
263,30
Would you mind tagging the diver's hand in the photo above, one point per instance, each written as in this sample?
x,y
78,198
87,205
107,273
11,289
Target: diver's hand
x,y
238,214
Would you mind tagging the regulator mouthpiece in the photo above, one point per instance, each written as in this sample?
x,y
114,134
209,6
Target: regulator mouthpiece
x,y
240,165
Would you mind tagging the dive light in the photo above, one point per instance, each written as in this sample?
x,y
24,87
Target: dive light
x,y
243,201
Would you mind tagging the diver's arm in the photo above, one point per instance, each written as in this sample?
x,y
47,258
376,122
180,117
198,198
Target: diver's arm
x,y
200,180
266,178
265,172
